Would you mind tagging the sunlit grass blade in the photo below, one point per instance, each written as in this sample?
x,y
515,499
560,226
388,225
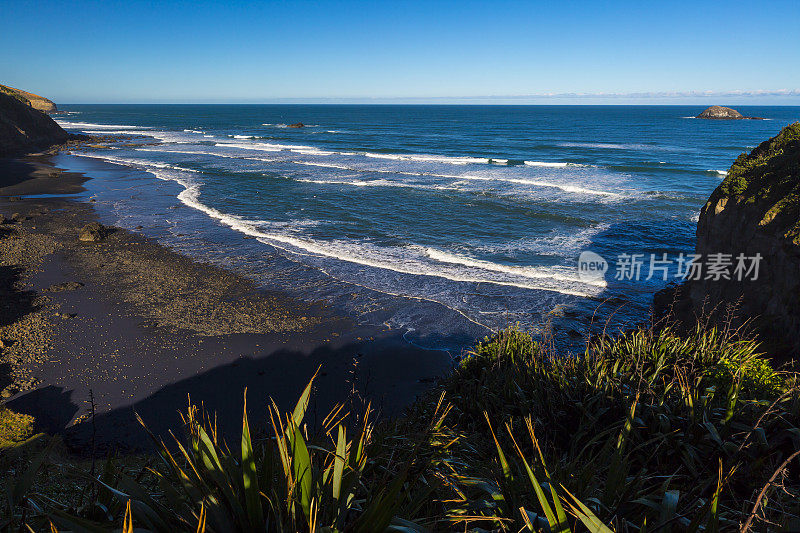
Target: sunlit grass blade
x,y
249,473
339,462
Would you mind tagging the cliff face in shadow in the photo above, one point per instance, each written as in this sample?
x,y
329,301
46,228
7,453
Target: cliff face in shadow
x,y
23,129
756,210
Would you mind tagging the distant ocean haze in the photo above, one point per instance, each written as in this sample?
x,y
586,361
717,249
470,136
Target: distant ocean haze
x,y
446,220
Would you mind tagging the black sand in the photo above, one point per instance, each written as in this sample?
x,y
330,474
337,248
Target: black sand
x,y
143,327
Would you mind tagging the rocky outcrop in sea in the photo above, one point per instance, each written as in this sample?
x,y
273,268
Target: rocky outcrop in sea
x,y
716,112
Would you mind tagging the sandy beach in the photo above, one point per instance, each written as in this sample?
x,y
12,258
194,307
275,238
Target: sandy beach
x,y
138,327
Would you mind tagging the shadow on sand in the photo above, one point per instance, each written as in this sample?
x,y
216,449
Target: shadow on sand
x,y
390,377
14,171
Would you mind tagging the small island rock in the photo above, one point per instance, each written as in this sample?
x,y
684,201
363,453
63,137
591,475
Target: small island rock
x,y
296,125
717,112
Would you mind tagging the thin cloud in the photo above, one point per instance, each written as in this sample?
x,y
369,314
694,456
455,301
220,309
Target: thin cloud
x,y
655,96
633,95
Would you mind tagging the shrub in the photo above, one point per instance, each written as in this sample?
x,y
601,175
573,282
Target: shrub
x,y
648,430
648,427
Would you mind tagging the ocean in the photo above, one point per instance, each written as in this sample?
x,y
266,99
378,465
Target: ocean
x,y
445,221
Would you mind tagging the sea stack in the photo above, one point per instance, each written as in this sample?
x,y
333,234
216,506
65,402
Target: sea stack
x,y
756,211
716,112
296,125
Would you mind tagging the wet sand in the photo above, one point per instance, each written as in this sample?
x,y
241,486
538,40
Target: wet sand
x,y
140,327
35,175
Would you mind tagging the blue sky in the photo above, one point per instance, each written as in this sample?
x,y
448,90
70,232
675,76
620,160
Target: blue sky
x,y
515,52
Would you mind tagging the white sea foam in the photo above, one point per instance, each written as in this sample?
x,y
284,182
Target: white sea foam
x,y
267,147
312,151
559,243
91,125
242,136
114,132
720,172
171,137
566,187
170,150
139,163
193,131
346,251
538,183
465,160
519,181
354,253
525,272
546,164
323,165
409,261
378,183
358,183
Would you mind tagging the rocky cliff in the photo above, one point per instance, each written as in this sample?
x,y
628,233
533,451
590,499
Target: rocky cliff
x,y
756,210
23,129
40,103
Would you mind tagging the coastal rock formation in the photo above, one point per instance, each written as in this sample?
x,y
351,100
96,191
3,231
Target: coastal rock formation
x,y
93,232
296,125
717,112
756,210
23,129
40,103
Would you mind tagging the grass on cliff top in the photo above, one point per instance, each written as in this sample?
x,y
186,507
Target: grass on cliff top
x,y
646,431
770,175
13,93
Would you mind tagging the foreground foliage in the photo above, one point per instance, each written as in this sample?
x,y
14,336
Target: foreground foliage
x,y
649,429
646,431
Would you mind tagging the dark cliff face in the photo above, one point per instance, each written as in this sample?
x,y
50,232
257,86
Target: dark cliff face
x,y
23,129
756,210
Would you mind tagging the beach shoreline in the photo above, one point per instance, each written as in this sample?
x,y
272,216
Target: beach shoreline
x,y
138,326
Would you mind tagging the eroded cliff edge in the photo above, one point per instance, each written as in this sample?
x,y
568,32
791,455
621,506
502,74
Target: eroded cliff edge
x,y
24,129
756,210
40,103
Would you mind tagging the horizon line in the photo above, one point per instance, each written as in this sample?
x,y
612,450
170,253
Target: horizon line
x,y
659,98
